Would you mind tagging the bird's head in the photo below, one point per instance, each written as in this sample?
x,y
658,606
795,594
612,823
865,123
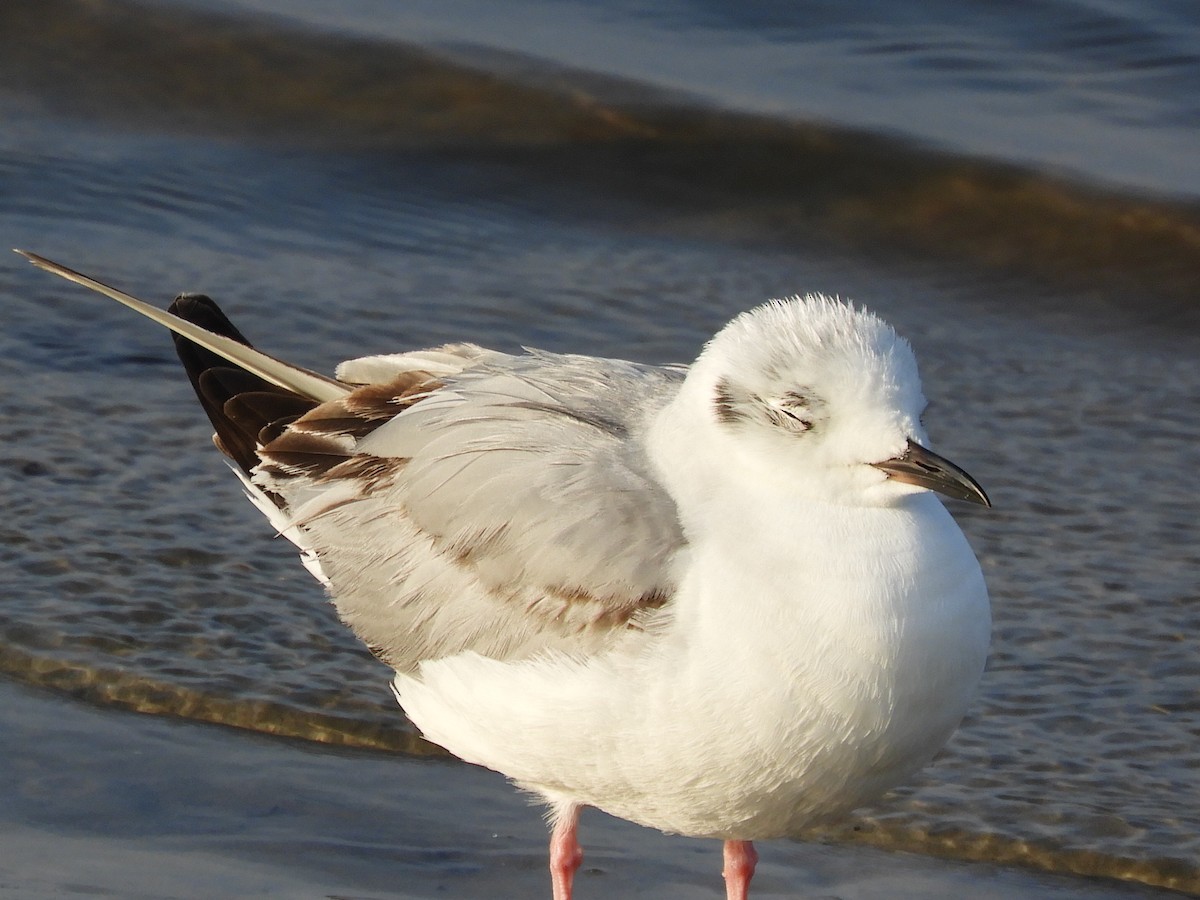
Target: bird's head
x,y
823,398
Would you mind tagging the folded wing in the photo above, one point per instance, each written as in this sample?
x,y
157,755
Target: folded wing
x,y
508,508
453,499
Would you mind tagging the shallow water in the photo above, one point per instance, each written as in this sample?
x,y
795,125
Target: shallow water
x,y
1105,90
1064,377
166,808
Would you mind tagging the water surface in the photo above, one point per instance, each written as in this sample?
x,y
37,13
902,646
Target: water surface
x,y
528,204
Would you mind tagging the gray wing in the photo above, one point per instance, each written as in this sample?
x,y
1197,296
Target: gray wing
x,y
451,499
508,508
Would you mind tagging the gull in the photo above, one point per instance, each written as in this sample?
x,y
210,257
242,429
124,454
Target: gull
x,y
720,600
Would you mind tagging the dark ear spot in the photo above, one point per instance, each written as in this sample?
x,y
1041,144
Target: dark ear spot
x,y
724,404
795,412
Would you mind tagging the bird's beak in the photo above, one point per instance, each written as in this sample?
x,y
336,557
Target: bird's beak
x,y
926,469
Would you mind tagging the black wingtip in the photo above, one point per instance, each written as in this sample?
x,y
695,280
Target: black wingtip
x,y
202,310
218,383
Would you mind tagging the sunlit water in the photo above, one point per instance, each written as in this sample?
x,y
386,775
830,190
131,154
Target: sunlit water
x,y
1058,341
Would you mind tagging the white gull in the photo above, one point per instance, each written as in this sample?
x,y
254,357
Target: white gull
x,y
720,600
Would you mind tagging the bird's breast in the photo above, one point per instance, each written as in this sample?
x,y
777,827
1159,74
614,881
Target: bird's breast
x,y
841,661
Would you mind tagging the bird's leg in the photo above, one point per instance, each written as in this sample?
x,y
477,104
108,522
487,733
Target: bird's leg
x,y
565,853
740,860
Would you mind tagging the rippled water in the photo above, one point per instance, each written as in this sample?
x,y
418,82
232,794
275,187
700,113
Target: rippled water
x,y
1106,90
1056,327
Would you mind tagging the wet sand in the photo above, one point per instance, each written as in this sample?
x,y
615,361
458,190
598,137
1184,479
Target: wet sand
x,y
161,807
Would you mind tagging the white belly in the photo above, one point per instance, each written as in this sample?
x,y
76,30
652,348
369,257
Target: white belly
x,y
766,706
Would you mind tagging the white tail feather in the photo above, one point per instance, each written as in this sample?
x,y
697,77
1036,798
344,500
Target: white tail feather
x,y
283,524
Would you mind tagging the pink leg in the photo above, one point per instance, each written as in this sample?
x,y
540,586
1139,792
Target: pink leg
x,y
740,860
565,853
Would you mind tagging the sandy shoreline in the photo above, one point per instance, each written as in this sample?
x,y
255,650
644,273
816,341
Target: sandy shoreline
x,y
167,808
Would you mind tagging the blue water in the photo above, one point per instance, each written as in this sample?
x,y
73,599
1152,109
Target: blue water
x,y
1103,91
1012,185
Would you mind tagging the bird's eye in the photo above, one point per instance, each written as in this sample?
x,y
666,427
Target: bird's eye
x,y
796,422
794,411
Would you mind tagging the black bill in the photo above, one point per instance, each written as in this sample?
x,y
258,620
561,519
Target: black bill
x,y
926,469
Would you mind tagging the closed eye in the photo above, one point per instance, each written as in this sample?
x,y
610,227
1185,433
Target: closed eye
x,y
794,411
792,418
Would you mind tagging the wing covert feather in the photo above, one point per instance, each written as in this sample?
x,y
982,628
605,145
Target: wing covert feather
x,y
506,509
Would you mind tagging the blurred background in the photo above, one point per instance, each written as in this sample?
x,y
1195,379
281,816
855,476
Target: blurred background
x,y
1013,185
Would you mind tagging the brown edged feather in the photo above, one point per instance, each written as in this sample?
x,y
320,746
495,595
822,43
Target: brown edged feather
x,y
242,407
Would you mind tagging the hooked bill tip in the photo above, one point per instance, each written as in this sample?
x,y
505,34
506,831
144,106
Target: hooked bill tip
x,y
924,468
